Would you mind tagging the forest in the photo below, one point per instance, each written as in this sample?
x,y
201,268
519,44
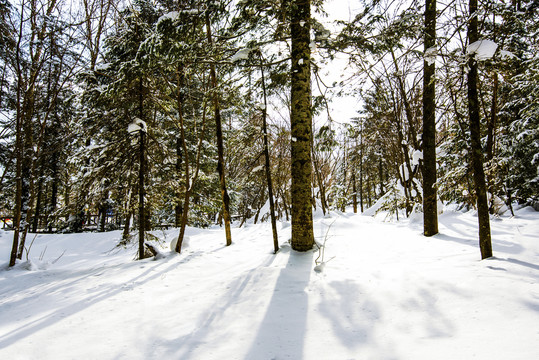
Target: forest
x,y
148,114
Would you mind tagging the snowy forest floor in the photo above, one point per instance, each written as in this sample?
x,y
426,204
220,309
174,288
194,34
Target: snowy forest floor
x,y
385,292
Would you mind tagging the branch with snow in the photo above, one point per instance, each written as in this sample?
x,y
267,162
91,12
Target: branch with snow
x,y
482,49
136,126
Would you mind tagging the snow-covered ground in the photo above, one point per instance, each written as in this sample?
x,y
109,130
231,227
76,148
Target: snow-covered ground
x,y
384,292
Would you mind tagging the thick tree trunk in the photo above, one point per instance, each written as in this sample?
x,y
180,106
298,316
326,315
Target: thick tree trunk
x,y
485,243
301,127
430,201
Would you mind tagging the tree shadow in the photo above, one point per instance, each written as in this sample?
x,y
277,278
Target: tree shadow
x,y
498,244
285,323
189,343
67,290
352,315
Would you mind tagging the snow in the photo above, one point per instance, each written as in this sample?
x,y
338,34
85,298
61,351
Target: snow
x,y
173,15
387,293
483,49
430,55
507,54
137,125
241,54
258,168
416,156
103,67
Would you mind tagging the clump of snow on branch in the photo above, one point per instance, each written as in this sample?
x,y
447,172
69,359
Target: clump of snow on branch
x,y
416,156
137,125
241,54
430,55
173,15
482,49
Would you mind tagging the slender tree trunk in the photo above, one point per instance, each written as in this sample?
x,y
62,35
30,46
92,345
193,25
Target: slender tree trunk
x,y
178,209
190,180
128,214
142,171
51,209
141,212
18,157
485,243
39,196
430,201
182,146
267,166
361,201
320,182
220,148
354,191
301,127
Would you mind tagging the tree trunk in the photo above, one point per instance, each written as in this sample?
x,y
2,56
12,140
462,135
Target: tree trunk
x,y
182,148
141,212
178,209
320,182
430,202
37,215
54,191
267,166
485,243
220,148
18,157
354,191
142,172
301,127
491,130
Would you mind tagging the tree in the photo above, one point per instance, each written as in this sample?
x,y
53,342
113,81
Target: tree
x,y
42,65
301,126
219,138
430,211
475,136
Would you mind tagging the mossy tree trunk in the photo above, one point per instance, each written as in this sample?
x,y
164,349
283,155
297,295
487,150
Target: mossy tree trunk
x,y
301,127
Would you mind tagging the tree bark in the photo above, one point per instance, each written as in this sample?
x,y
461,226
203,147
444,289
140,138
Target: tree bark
x,y
430,202
301,127
483,216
